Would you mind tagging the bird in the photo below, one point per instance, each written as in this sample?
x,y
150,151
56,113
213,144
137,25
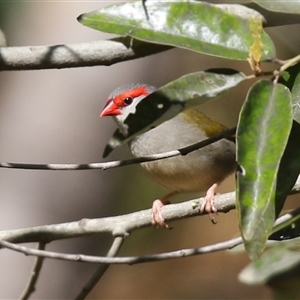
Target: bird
x,y
199,171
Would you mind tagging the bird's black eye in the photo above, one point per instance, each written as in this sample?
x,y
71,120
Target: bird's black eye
x,y
128,100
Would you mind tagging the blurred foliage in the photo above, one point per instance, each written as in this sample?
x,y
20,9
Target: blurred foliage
x,y
6,8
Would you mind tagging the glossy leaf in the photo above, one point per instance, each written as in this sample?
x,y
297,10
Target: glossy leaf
x,y
296,98
288,77
292,7
197,26
289,168
264,126
166,102
287,231
280,259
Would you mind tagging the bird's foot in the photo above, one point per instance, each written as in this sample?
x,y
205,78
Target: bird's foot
x,y
156,215
208,203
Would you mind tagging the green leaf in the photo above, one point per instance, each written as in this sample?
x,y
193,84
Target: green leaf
x,y
291,230
264,126
278,260
296,97
166,102
289,168
197,26
292,7
288,77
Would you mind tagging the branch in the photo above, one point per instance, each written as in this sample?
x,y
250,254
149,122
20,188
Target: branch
x,y
30,287
99,53
131,260
113,251
229,244
119,163
117,226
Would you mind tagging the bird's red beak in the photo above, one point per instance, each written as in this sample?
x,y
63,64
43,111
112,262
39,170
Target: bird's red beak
x,y
110,109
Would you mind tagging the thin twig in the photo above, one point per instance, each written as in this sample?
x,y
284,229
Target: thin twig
x,y
145,9
119,163
289,63
30,287
113,251
131,260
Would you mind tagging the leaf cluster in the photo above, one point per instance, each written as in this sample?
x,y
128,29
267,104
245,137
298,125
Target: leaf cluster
x,y
268,128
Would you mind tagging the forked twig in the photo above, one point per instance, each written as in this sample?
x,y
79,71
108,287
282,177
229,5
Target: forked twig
x,y
229,244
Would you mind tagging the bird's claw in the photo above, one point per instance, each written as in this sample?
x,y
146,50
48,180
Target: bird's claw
x,y
208,203
156,215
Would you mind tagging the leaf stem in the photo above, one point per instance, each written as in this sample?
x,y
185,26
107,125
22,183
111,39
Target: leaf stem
x,y
285,64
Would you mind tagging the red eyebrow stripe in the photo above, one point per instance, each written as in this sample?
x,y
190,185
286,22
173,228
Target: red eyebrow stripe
x,y
136,92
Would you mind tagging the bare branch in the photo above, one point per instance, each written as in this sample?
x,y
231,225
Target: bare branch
x,y
30,287
119,163
118,225
113,251
99,53
229,244
125,260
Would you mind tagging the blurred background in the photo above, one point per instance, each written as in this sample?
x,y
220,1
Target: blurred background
x,y
53,117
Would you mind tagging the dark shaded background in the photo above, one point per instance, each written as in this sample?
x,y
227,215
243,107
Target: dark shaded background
x,y
53,117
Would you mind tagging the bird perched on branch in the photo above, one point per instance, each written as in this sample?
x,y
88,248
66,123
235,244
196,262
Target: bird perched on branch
x,y
199,171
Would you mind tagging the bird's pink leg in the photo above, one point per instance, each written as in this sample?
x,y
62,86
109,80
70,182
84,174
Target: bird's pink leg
x,y
208,203
156,215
